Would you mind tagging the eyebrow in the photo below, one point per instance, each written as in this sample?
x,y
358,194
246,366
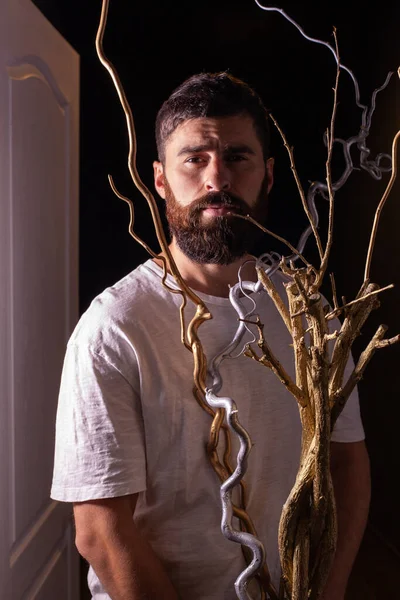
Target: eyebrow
x,y
228,149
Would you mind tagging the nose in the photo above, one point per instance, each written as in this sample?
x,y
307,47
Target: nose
x,y
217,176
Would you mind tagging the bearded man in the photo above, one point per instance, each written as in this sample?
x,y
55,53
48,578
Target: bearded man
x,y
131,439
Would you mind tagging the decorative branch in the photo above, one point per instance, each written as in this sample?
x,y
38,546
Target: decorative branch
x,y
306,207
334,294
323,43
243,538
381,205
275,235
373,167
268,359
330,138
202,312
351,328
275,297
340,309
340,397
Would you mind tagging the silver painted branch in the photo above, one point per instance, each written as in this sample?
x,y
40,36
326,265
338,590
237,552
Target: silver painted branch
x,y
240,537
375,168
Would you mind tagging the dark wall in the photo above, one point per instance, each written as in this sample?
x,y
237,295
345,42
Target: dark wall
x,y
154,46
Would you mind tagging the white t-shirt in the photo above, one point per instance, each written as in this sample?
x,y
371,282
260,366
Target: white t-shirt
x,y
128,422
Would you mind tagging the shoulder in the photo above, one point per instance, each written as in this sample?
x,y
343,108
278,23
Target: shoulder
x,y
119,309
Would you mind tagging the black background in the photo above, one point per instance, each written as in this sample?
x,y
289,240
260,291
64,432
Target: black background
x,y
154,46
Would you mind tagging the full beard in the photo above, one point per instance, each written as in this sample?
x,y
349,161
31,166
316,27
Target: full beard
x,y
222,239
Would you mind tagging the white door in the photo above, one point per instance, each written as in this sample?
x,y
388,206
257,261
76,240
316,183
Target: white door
x,y
39,118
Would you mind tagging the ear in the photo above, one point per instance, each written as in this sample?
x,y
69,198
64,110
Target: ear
x,y
159,180
270,172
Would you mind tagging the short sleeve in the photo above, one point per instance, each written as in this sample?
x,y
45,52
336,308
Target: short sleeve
x,y
99,446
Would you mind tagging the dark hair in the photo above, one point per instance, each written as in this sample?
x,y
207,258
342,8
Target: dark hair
x,y
211,95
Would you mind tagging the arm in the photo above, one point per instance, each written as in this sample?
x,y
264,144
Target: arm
x,y
123,560
351,482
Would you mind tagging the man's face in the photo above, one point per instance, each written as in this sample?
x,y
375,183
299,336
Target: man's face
x,y
214,167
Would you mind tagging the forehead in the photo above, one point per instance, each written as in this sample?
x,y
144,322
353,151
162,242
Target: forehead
x,y
217,132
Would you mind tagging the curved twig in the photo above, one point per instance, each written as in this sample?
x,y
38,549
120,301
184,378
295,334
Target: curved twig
x,y
381,205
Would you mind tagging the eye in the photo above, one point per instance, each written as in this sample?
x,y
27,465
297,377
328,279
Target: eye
x,y
235,157
194,160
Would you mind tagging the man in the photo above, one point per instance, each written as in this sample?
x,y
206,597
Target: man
x,y
131,439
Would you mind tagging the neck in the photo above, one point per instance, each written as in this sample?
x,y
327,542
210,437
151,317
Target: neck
x,y
211,279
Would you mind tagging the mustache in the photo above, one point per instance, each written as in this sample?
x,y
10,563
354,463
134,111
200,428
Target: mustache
x,y
219,199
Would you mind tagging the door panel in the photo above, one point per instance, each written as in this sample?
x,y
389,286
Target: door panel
x,y
39,249
39,153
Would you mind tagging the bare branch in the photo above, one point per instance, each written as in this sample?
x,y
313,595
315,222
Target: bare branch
x,y
275,235
300,189
154,255
300,351
339,398
132,220
334,294
338,310
132,160
389,342
275,296
268,359
381,205
356,316
330,138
